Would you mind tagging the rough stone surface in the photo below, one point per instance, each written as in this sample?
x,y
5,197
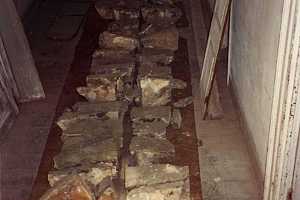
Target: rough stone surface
x,y
155,84
168,191
178,84
123,69
117,41
181,103
148,150
93,152
92,174
72,188
115,54
154,174
125,27
176,120
151,114
164,15
159,56
166,38
151,129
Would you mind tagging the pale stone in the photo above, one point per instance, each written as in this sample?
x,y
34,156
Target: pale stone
x,y
154,174
168,191
166,38
100,93
72,188
161,14
160,56
95,151
176,120
181,103
116,41
111,53
155,84
92,174
151,129
150,114
85,110
148,150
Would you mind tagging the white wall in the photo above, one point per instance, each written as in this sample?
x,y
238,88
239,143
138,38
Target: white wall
x,y
255,38
22,6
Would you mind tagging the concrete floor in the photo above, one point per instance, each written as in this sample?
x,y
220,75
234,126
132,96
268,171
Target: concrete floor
x,y
225,164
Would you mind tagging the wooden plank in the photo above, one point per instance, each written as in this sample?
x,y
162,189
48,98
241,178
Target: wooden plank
x,y
19,54
213,45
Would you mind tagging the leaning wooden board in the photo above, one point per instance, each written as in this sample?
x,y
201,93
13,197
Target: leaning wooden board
x,y
212,49
19,54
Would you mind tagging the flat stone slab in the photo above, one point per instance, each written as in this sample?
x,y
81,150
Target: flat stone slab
x,y
151,114
155,129
96,151
117,41
149,150
162,38
167,191
159,56
73,187
163,15
154,174
114,110
92,174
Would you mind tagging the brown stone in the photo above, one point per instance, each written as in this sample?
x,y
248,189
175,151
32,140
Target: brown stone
x,y
155,129
111,54
176,120
117,41
149,150
166,38
151,114
71,188
161,14
159,56
125,27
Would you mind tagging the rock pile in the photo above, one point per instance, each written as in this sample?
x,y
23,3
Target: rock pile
x,y
130,82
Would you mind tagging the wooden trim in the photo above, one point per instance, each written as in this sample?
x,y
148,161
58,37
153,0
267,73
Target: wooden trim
x,y
283,132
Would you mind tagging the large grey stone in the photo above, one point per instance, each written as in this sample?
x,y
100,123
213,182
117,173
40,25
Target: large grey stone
x,y
151,129
150,114
117,41
163,15
155,84
164,38
73,187
95,151
149,150
92,174
159,56
167,191
154,174
86,110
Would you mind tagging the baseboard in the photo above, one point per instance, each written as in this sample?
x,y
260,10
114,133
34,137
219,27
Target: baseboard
x,y
249,139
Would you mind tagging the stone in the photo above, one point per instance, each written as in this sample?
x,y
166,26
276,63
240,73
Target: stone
x,y
108,194
154,174
166,38
95,151
115,54
122,69
151,114
118,9
155,84
72,188
176,120
181,103
85,110
178,84
168,191
149,150
125,27
91,174
117,41
163,14
155,129
159,56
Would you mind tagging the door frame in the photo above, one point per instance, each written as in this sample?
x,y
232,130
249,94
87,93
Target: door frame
x,y
285,116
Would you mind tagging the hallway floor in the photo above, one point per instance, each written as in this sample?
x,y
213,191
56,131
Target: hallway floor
x,y
214,150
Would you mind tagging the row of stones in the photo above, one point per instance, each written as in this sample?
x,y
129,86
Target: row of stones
x,y
130,72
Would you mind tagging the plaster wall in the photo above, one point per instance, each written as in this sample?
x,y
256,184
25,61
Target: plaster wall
x,y
254,48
